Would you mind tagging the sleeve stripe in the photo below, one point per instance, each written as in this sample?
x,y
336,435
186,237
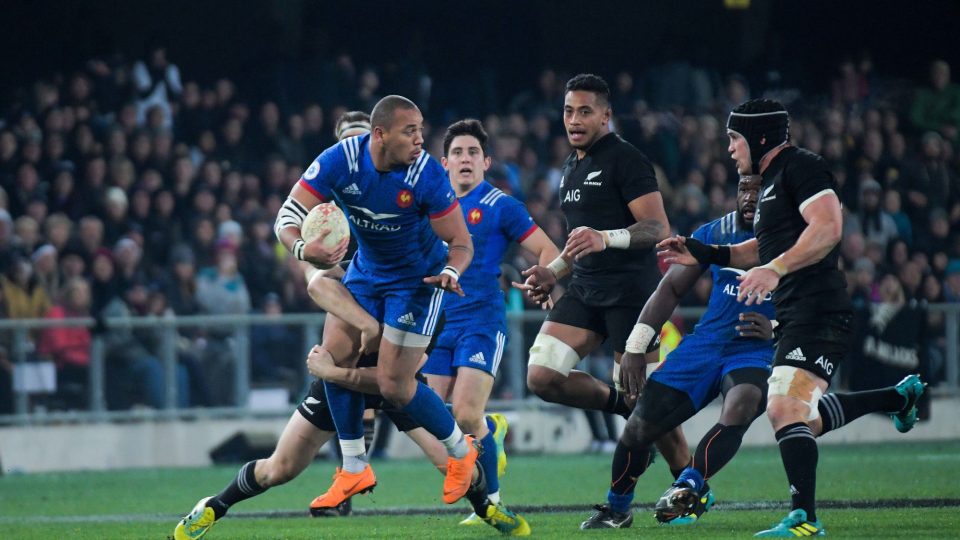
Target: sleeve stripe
x,y
533,228
312,190
814,197
297,207
445,212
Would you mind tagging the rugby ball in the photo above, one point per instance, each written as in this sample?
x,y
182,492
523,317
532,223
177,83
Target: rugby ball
x,y
325,216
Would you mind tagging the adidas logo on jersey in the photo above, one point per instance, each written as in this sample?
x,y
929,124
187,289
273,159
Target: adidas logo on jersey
x,y
478,359
796,355
352,189
407,319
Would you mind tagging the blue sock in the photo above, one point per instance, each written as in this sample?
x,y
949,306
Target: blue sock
x,y
488,460
619,503
490,424
692,478
346,407
427,409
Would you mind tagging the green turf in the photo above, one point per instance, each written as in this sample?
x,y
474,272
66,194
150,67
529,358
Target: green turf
x,y
144,503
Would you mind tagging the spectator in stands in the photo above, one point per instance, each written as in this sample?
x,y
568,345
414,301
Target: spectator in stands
x,y
875,223
69,347
937,107
221,290
951,285
157,82
46,269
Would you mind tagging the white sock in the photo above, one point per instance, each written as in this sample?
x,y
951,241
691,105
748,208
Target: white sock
x,y
354,455
494,497
456,444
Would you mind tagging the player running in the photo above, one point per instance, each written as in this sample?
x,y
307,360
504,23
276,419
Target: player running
x,y
728,352
464,363
401,210
609,196
795,255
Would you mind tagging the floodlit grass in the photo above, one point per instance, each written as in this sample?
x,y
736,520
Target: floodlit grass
x,y
555,493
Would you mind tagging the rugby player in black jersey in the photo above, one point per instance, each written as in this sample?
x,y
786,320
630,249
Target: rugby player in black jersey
x,y
795,256
615,214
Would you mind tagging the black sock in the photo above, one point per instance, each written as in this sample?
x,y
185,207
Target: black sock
x,y
628,465
241,488
616,403
717,448
838,410
477,494
676,472
798,449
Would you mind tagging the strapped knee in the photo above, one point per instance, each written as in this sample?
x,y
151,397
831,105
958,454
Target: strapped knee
x,y
550,352
798,384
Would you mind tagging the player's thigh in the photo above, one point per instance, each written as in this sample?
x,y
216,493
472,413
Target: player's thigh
x,y
578,325
341,340
744,391
693,368
438,368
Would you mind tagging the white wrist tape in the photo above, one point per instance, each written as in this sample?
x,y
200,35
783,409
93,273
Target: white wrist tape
x,y
617,238
558,266
452,272
640,338
616,377
297,249
777,266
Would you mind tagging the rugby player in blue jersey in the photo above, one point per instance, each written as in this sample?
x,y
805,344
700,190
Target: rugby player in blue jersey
x,y
729,351
401,210
464,363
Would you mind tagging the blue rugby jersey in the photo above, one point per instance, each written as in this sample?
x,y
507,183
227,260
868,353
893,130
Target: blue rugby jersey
x,y
723,311
494,219
389,212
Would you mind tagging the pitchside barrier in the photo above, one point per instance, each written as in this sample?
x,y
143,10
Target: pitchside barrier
x,y
34,380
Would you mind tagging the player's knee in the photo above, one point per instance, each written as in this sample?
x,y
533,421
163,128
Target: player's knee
x,y
470,419
544,382
395,390
793,396
636,434
550,362
276,470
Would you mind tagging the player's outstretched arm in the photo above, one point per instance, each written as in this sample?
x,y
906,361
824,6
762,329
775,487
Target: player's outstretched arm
x,y
453,230
327,292
548,259
819,237
692,252
289,220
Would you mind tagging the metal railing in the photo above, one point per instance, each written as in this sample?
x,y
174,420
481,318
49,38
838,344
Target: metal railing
x,y
522,328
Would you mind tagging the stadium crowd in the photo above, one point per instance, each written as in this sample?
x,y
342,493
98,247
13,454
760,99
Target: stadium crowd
x,y
130,189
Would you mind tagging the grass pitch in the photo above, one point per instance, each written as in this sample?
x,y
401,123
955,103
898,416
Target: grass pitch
x,y
866,491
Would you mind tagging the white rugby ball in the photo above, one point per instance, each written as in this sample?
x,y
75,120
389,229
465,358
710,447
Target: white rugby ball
x,y
325,216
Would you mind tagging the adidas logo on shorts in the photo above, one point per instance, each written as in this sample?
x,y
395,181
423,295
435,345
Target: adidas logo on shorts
x,y
352,189
796,355
478,359
407,319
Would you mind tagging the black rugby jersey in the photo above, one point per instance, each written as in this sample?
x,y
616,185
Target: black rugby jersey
x,y
594,192
793,177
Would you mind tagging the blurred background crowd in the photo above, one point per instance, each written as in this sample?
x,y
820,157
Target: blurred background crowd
x,y
129,188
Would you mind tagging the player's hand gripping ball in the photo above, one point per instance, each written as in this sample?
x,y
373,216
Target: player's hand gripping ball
x,y
326,224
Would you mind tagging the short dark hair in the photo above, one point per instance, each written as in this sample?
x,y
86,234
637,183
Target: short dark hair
x,y
383,111
469,126
351,120
588,82
759,106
